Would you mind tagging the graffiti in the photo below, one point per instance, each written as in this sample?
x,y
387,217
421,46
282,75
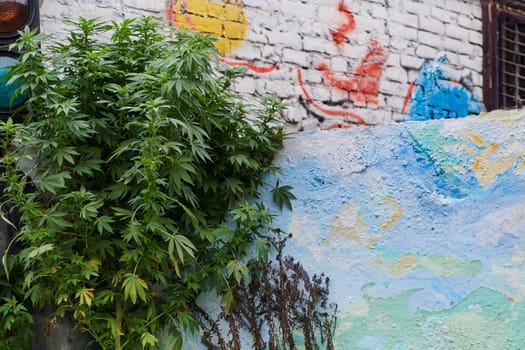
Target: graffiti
x,y
362,87
354,118
249,65
338,35
226,20
434,96
352,94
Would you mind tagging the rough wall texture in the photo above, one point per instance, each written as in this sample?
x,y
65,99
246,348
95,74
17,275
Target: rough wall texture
x,y
421,228
337,62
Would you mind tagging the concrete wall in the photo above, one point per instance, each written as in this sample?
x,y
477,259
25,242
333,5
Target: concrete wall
x,y
421,228
338,63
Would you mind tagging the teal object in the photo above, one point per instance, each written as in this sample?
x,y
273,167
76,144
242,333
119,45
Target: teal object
x,y
7,91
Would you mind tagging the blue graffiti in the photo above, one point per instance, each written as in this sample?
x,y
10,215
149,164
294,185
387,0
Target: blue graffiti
x,y
435,96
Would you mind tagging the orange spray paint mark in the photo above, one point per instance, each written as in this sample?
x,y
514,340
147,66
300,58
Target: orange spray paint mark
x,y
330,112
364,84
184,7
338,35
249,65
407,97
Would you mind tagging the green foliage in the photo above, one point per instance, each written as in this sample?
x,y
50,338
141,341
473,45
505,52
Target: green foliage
x,y
15,318
139,156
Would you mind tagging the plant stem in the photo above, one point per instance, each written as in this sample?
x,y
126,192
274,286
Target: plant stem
x,y
118,317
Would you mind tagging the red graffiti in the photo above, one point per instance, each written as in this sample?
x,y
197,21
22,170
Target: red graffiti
x,y
249,65
172,10
334,113
408,95
338,35
170,18
364,84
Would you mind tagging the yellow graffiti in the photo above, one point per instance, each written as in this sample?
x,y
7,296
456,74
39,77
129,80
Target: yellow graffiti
x,y
225,20
389,223
485,168
348,223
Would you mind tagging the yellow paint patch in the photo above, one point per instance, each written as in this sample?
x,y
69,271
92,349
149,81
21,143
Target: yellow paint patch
x,y
389,223
485,168
404,264
478,141
225,20
348,223
391,202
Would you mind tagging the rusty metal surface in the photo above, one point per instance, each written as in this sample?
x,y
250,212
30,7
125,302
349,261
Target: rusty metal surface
x,y
503,53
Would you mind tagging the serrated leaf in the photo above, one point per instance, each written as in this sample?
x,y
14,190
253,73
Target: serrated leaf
x,y
134,287
148,339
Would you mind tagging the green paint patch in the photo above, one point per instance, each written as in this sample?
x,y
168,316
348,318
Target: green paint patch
x,y
449,265
484,319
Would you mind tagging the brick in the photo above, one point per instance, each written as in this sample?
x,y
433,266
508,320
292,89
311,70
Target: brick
x,y
312,76
465,22
392,88
245,85
476,25
300,58
396,74
471,63
411,62
427,52
366,23
454,31
395,102
328,15
413,75
402,31
432,25
286,39
442,15
150,5
393,60
248,52
298,9
339,64
475,37
419,8
258,38
319,93
456,46
409,20
430,39
398,44
321,44
375,10
462,7
282,88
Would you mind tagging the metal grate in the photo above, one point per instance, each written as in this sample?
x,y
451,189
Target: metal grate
x,y
511,62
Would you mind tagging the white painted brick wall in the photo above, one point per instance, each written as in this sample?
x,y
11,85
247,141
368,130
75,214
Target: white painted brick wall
x,y
296,34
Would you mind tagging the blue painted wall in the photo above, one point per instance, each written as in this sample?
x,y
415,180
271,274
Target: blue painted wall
x,y
421,228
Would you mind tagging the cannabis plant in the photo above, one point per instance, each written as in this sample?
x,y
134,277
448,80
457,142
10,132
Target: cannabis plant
x,y
144,169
